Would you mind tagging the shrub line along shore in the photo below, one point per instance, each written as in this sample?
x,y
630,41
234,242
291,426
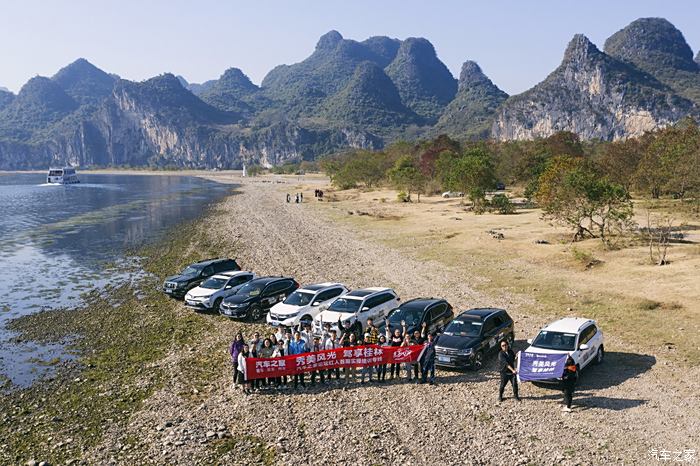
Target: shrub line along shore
x,y
153,378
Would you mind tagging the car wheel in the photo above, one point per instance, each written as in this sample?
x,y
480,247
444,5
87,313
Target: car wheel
x,y
478,362
600,355
255,313
216,305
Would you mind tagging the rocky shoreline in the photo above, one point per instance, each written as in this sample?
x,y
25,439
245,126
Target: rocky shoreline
x,y
153,385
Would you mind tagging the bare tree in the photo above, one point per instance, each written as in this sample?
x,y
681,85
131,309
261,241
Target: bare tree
x,y
660,233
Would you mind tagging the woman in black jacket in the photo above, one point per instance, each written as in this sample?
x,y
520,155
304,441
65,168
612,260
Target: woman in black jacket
x,y
568,383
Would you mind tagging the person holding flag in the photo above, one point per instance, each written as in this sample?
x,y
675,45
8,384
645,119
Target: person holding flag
x,y
506,361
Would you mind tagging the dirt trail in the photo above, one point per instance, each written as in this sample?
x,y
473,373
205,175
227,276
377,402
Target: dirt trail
x,y
624,408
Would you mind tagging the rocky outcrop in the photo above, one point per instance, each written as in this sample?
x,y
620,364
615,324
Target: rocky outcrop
x,y
656,47
592,95
425,84
471,113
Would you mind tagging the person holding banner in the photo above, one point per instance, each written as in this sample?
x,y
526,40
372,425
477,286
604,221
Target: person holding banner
x,y
381,369
568,383
297,346
506,361
427,360
278,353
315,348
351,340
331,344
394,339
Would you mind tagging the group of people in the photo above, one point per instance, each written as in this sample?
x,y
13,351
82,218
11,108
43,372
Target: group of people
x,y
318,193
286,342
298,197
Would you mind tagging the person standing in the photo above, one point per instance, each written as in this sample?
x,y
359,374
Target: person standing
x,y
506,362
349,342
298,346
315,348
331,344
427,360
381,369
418,338
267,351
568,383
301,197
289,198
394,339
234,350
243,380
366,369
407,365
255,344
278,353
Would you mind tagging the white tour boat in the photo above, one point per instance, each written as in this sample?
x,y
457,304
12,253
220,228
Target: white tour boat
x,y
65,175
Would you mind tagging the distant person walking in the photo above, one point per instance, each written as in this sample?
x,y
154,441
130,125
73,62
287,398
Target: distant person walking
x,y
289,198
301,197
296,198
568,383
506,361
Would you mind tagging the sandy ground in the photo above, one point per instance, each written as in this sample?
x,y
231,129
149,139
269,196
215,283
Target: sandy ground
x,y
636,401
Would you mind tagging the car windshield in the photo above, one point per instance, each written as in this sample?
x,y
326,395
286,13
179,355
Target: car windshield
x,y
464,328
555,341
214,283
249,289
191,270
299,298
345,305
410,315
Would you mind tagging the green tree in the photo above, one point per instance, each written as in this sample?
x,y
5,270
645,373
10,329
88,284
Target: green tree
x,y
572,193
471,173
406,176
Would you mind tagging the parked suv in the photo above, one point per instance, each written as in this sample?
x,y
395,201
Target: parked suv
x,y
579,338
472,336
358,305
212,291
304,304
256,297
178,285
437,313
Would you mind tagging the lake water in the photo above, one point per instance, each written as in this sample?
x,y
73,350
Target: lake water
x,y
57,242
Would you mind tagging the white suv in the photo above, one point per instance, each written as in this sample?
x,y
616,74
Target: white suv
x,y
304,304
358,305
579,338
212,291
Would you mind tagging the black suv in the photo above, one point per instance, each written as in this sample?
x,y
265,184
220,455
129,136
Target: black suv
x,y
256,297
437,313
471,336
177,286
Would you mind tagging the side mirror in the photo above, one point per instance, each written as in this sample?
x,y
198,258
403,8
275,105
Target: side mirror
x,y
529,341
316,303
364,309
583,346
228,287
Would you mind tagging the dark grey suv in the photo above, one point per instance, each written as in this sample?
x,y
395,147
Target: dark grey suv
x,y
178,285
472,336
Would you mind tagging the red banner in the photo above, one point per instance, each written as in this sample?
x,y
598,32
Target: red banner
x,y
352,356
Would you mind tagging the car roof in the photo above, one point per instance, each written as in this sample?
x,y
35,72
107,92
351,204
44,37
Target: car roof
x,y
420,303
319,286
265,280
568,324
481,313
361,293
206,262
232,273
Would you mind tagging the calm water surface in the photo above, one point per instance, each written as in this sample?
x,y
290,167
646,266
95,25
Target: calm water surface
x,y
57,242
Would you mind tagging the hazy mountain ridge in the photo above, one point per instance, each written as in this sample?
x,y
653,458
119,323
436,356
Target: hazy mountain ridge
x,y
347,93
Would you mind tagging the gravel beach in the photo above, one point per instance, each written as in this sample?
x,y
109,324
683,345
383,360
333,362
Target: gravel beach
x,y
632,404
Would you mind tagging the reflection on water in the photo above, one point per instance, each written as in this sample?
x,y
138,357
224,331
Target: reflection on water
x,y
56,240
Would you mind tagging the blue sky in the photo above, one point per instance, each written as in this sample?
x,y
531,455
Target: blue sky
x,y
517,43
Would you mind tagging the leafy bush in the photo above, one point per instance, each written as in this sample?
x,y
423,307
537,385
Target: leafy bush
x,y
502,204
